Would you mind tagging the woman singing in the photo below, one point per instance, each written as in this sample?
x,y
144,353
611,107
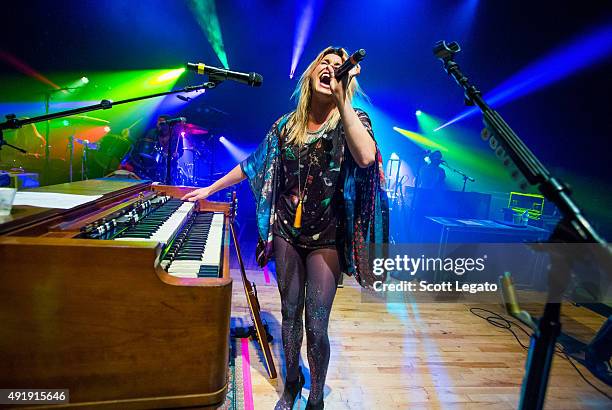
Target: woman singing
x,y
317,179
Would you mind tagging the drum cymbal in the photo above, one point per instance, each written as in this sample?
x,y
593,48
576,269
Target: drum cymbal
x,y
194,129
86,143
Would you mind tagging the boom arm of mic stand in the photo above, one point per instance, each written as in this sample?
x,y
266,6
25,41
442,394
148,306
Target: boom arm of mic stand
x,y
12,122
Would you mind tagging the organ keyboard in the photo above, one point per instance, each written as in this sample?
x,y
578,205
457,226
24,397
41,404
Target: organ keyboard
x,y
196,253
124,300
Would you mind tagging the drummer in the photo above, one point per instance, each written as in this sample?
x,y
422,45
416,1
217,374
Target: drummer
x,y
162,131
148,156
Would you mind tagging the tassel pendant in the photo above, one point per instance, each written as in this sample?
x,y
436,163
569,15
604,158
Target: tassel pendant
x,y
297,222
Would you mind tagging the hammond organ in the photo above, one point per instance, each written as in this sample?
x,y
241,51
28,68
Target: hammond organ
x,y
124,300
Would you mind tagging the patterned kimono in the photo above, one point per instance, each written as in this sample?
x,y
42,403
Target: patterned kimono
x,y
363,215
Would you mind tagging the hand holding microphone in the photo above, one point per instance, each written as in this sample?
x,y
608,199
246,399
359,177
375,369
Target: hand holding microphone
x,y
341,76
349,65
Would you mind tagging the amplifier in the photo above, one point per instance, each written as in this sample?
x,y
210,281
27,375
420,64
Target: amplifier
x,y
528,270
437,229
24,180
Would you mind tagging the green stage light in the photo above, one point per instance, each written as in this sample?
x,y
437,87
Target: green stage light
x,y
84,80
205,13
427,122
169,76
420,139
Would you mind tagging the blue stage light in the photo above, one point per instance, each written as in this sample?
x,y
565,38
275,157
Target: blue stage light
x,y
237,153
582,52
304,24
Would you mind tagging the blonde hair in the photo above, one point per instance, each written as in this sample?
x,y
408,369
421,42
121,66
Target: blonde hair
x,y
297,124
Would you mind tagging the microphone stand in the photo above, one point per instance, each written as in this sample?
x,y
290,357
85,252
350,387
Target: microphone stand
x,y
71,148
12,122
169,154
415,192
572,228
465,177
48,95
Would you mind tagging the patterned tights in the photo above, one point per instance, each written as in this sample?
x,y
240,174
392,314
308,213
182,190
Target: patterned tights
x,y
306,278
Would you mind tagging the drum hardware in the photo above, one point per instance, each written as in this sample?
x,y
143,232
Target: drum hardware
x,y
71,155
87,146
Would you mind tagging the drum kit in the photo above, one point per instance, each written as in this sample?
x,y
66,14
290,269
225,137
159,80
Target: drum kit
x,y
149,158
194,166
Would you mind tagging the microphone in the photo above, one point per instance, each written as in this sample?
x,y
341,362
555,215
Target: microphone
x,y
252,79
172,121
350,63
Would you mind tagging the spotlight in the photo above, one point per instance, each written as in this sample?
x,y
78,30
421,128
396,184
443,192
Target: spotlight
x,y
205,13
182,133
304,24
418,113
236,152
84,80
168,76
66,123
107,128
583,52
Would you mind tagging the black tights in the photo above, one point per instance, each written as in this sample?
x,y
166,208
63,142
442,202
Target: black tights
x,y
306,278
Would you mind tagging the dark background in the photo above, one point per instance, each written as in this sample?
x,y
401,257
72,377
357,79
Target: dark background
x,y
567,124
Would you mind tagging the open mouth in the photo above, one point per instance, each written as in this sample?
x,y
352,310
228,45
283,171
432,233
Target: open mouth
x,y
325,79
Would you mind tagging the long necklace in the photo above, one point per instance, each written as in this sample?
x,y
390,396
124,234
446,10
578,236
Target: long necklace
x,y
297,222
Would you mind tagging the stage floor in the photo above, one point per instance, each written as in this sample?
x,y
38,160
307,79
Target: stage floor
x,y
424,356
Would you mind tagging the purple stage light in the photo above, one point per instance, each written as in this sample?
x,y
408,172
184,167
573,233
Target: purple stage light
x,y
305,22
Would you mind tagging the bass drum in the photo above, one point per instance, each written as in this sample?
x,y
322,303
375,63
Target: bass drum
x,y
145,153
186,166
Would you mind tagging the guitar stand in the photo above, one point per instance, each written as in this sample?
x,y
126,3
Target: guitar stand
x,y
250,332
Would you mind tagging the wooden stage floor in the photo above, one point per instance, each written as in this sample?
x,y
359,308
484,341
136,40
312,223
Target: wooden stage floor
x,y
424,356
